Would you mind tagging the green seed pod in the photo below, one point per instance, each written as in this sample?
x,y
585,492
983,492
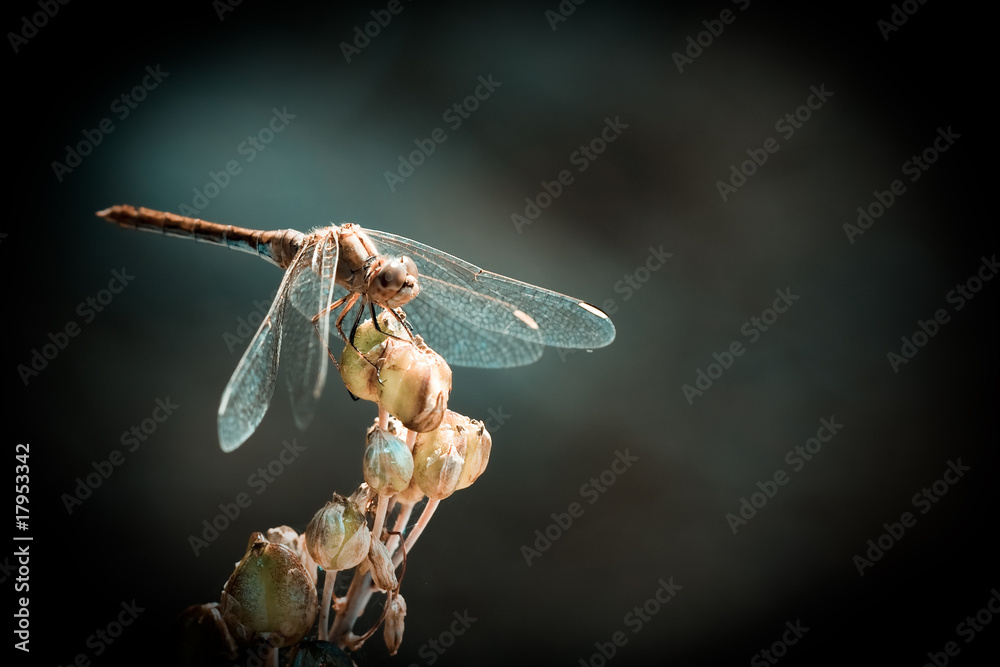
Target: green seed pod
x,y
269,596
337,537
287,536
387,463
357,365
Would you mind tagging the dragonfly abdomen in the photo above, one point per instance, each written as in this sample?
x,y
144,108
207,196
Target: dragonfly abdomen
x,y
276,246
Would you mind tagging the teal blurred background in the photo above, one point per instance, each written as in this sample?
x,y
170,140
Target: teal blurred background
x,y
174,333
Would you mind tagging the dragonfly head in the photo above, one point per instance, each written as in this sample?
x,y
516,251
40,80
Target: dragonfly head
x,y
393,282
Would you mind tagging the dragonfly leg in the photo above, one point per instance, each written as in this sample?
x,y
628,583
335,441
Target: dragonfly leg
x,y
351,300
409,330
315,322
333,306
357,321
404,323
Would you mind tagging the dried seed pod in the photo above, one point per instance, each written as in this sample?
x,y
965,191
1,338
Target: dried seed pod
x,y
413,383
269,596
392,631
285,535
438,460
394,426
387,463
401,374
337,537
383,571
477,453
411,495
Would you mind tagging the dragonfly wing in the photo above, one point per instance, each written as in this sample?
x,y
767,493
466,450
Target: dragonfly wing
x,y
248,394
312,280
459,341
487,320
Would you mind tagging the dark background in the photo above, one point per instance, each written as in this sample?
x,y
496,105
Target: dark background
x,y
164,335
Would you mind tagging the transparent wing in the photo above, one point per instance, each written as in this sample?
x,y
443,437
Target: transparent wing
x,y
308,287
249,391
474,317
302,349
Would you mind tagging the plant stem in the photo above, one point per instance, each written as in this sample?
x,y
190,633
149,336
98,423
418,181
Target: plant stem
x,y
356,601
382,502
402,519
411,539
329,579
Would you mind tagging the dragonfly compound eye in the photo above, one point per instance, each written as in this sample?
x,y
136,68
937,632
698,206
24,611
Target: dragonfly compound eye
x,y
395,283
411,267
391,277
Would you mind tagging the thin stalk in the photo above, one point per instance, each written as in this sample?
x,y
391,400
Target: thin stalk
x,y
329,579
382,502
411,539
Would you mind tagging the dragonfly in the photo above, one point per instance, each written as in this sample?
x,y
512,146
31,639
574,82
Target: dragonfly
x,y
470,316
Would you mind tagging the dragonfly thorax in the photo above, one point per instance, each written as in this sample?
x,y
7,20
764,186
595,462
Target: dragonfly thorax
x,y
387,281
